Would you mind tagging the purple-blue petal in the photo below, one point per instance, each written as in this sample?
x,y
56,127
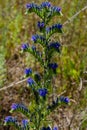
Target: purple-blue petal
x,y
53,65
10,119
42,92
25,122
55,128
64,99
30,81
28,71
24,46
45,5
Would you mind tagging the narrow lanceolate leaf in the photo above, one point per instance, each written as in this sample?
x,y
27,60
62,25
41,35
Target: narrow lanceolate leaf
x,y
53,47
56,28
59,101
20,108
32,7
39,39
9,120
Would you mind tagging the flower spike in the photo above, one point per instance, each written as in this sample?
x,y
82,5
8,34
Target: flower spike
x,y
20,108
53,66
53,29
32,7
9,120
53,11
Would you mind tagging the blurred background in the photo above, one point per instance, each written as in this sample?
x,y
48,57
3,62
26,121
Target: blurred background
x,y
16,28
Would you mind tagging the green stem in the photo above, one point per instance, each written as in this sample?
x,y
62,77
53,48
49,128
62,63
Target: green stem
x,y
45,53
39,119
40,107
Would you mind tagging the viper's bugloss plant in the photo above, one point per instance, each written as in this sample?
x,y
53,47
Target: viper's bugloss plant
x,y
40,84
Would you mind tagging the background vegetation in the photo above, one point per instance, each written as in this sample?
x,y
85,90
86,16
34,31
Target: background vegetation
x,y
17,28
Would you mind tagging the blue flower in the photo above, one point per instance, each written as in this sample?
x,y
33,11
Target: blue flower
x,y
53,65
25,123
56,9
45,5
24,46
37,37
30,81
57,26
29,6
55,128
28,71
32,6
42,92
64,99
34,37
10,119
40,24
54,45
